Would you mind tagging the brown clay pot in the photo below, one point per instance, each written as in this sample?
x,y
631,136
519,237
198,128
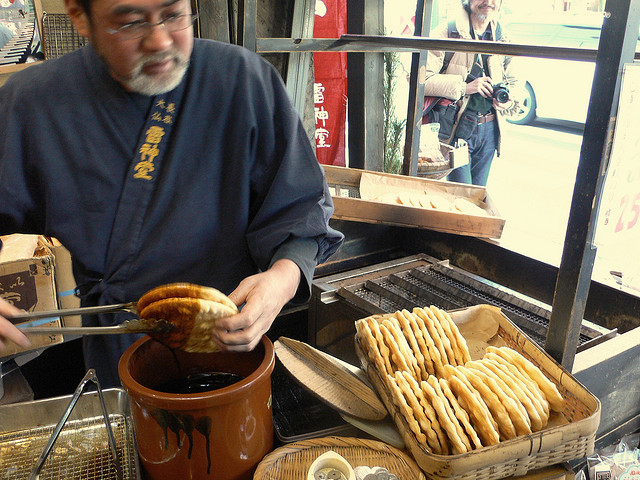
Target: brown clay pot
x,y
221,434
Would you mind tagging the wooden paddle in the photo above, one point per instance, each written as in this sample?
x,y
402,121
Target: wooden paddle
x,y
330,379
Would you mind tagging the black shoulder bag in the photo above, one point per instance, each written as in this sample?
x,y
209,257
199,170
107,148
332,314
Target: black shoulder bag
x,y
440,109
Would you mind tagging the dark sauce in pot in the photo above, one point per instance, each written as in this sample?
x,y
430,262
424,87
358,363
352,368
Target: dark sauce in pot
x,y
199,382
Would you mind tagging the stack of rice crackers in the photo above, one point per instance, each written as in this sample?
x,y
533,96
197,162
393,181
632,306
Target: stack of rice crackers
x,y
454,405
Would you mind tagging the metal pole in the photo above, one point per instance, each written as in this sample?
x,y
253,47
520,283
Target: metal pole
x,y
298,68
247,18
374,91
355,89
416,92
617,45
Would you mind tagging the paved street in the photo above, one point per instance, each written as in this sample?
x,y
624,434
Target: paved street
x,y
532,185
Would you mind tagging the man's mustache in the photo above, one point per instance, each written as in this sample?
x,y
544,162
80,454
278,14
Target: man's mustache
x,y
158,58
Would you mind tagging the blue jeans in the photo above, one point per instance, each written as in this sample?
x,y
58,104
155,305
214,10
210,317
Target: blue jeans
x,y
482,149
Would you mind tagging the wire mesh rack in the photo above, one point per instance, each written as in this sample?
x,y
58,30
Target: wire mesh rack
x,y
59,35
81,450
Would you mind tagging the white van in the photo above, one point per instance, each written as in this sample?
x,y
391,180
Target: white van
x,y
558,89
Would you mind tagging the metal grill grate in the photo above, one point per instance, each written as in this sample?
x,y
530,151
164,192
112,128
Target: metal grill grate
x,y
450,288
59,35
376,299
347,191
82,450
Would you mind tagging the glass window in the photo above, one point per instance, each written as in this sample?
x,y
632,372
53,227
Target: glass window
x,y
532,180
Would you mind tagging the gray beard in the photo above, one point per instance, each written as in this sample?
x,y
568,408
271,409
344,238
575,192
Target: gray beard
x,y
144,84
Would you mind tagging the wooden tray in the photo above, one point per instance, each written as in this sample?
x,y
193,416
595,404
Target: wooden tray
x,y
344,184
572,439
292,461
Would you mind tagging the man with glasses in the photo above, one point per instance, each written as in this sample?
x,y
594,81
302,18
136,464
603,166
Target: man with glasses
x,y
155,158
482,85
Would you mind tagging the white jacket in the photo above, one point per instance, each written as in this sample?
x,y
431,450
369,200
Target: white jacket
x,y
451,84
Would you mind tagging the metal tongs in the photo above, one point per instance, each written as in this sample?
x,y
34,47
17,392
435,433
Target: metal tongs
x,y
137,325
90,376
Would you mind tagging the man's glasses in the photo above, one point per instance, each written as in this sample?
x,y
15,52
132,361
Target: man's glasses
x,y
139,29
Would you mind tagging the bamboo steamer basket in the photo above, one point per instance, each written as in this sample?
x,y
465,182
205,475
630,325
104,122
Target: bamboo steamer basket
x,y
571,436
292,461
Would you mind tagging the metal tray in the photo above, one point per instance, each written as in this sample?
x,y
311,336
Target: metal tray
x,y
298,415
82,449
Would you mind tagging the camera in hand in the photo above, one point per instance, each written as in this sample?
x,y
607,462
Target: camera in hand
x,y
501,92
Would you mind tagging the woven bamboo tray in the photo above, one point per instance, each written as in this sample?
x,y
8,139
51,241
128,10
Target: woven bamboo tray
x,y
570,436
292,461
454,157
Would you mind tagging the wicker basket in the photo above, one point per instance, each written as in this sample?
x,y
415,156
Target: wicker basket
x,y
454,157
292,461
571,438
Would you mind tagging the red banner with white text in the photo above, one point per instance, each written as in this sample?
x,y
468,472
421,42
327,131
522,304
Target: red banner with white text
x,y
330,85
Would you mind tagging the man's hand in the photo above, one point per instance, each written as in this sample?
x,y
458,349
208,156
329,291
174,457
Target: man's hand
x,y
263,295
7,329
481,85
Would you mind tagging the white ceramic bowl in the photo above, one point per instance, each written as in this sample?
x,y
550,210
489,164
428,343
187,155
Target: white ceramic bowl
x,y
331,460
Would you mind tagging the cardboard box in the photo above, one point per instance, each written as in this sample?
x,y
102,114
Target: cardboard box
x,y
29,284
345,186
65,282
